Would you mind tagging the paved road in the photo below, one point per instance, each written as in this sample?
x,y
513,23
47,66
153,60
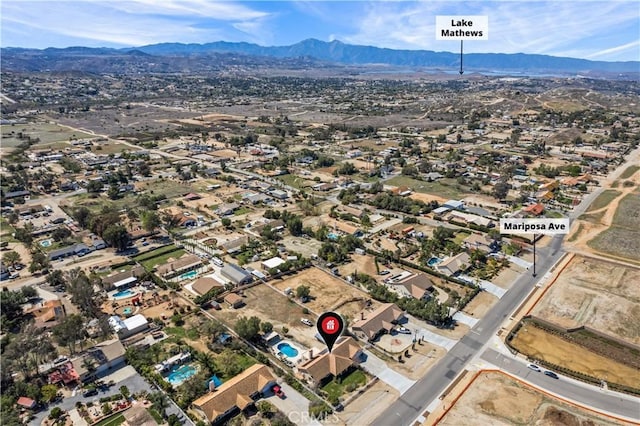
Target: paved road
x,y
414,402
606,401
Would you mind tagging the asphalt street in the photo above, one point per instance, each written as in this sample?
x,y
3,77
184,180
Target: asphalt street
x,y
614,403
414,402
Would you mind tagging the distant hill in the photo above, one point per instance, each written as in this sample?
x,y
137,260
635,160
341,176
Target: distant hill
x,y
179,57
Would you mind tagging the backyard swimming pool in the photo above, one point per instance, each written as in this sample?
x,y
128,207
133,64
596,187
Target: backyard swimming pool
x,y
333,236
288,350
188,275
123,294
45,243
434,261
127,310
180,373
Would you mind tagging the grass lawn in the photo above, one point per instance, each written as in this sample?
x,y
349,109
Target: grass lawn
x,y
169,188
191,333
46,132
629,171
460,236
446,188
116,420
151,261
156,416
604,199
335,390
242,210
295,181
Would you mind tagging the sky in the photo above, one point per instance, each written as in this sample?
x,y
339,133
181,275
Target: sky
x,y
596,30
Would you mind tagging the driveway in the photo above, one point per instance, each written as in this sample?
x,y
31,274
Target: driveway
x,y
463,318
487,286
294,406
374,365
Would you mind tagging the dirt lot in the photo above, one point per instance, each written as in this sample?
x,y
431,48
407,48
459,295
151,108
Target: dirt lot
x,y
366,408
363,264
496,399
507,276
327,292
480,304
596,293
537,343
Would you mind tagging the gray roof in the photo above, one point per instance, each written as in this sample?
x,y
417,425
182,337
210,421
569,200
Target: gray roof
x,y
235,273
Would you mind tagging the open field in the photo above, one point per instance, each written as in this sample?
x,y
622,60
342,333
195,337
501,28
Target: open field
x,y
599,294
169,188
496,399
447,188
604,199
623,237
540,344
46,132
629,171
327,292
480,304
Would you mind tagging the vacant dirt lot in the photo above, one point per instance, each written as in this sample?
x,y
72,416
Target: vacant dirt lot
x,y
327,292
480,304
596,293
496,399
537,343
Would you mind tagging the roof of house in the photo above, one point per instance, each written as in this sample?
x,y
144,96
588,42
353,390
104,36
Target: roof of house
x,y
136,271
138,416
204,285
336,362
235,392
47,311
135,321
453,264
184,262
233,298
234,244
274,262
535,209
476,240
347,228
380,319
418,285
102,353
26,402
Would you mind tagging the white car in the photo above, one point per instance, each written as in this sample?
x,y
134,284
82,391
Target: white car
x,y
534,367
305,321
403,330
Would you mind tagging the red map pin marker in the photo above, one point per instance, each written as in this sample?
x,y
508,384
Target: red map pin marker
x,y
330,326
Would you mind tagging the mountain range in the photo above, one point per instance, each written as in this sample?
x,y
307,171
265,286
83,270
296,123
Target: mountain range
x,y
308,52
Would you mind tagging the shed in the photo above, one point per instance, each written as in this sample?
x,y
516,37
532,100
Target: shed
x,y
236,274
234,300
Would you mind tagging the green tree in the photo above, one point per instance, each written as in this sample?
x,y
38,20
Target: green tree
x,y
117,237
266,327
125,392
150,221
248,328
94,187
11,258
69,332
60,234
39,262
303,292
49,392
56,412
56,278
83,216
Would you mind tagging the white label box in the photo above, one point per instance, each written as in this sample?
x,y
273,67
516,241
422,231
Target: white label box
x,y
470,27
535,226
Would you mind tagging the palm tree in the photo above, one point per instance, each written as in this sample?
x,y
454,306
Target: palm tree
x,y
160,402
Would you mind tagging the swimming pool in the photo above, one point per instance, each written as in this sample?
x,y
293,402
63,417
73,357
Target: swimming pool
x,y
123,294
180,373
288,350
127,311
45,243
216,381
188,275
434,261
333,236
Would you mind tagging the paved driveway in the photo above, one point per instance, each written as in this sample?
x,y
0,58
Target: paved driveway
x,y
487,286
374,365
294,406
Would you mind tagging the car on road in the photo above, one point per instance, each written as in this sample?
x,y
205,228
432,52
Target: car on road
x,y
306,321
534,367
90,392
551,374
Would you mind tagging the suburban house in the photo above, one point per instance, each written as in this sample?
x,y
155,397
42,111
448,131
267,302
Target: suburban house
x,y
49,314
124,279
455,264
205,284
186,263
234,395
227,209
418,286
480,242
323,367
272,263
234,245
76,249
234,301
382,320
138,416
534,209
236,274
185,221
99,359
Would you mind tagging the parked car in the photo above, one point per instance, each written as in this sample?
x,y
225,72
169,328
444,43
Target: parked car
x,y
551,374
534,367
306,321
385,272
278,391
403,330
